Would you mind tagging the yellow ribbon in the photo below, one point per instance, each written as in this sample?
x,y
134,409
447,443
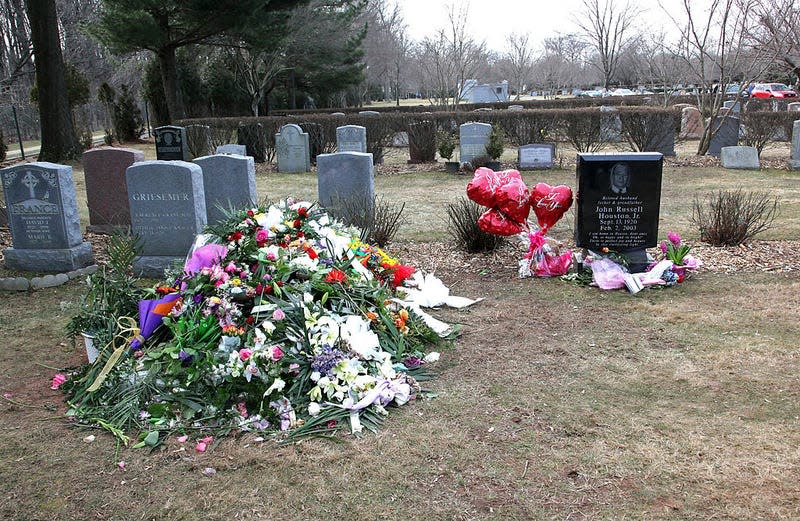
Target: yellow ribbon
x,y
125,326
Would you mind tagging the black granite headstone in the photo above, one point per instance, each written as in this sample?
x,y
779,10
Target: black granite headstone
x,y
171,144
618,201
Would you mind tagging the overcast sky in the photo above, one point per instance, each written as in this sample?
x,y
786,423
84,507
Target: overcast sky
x,y
492,20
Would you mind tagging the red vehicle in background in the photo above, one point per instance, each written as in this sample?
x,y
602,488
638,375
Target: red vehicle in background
x,y
772,90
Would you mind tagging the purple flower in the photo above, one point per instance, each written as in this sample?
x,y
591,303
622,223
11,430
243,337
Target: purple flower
x,y
185,358
674,238
412,362
198,298
205,257
664,247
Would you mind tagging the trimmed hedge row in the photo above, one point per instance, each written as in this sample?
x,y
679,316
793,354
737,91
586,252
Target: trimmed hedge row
x,y
586,129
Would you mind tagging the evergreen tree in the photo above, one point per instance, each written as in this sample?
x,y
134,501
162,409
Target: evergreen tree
x,y
164,26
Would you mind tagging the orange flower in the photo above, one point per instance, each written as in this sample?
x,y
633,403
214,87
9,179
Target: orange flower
x,y
372,316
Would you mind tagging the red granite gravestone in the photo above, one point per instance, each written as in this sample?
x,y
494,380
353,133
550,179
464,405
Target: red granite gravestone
x,y
106,189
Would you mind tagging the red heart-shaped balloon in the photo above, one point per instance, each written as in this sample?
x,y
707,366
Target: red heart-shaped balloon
x,y
550,203
494,221
513,199
483,187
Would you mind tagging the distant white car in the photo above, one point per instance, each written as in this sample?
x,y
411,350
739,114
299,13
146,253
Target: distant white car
x,y
592,94
622,92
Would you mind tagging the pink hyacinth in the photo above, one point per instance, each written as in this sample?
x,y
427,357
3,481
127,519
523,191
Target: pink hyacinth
x,y
664,247
674,238
58,379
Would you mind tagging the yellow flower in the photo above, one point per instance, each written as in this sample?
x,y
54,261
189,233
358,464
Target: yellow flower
x,y
236,282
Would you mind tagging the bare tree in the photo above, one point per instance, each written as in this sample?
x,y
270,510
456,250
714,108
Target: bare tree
x,y
449,58
607,27
519,60
716,49
562,63
386,47
779,28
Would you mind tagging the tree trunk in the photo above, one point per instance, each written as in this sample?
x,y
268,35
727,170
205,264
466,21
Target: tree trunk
x,y
169,79
59,141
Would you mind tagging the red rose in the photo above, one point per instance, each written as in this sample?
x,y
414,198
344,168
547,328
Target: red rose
x,y
302,212
297,223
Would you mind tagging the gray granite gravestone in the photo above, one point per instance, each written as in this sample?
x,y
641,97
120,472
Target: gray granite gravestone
x,y
472,140
691,123
43,217
351,138
536,155
292,149
727,134
734,106
346,184
740,158
168,209
515,107
794,161
617,203
793,107
198,140
231,149
610,125
106,189
229,182
171,144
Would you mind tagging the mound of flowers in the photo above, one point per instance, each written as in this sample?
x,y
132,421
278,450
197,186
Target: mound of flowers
x,y
283,321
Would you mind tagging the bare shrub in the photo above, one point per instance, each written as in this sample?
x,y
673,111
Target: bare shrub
x,y
760,128
378,220
198,140
422,140
462,216
222,133
649,129
583,129
730,218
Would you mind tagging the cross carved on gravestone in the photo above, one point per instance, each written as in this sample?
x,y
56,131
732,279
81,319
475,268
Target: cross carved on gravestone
x,y
30,182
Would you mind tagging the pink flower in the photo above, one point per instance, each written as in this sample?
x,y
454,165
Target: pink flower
x,y
230,267
182,439
271,256
58,379
278,314
202,445
674,238
245,354
277,353
121,465
242,408
664,247
262,235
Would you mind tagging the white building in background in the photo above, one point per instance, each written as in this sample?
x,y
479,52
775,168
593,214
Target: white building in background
x,y
472,92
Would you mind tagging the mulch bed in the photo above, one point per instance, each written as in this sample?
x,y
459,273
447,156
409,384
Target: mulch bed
x,y
761,256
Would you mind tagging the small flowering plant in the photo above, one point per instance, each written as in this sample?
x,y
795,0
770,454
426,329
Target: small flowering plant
x,y
287,322
674,248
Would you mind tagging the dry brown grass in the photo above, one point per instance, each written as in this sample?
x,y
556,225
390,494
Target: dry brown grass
x,y
557,402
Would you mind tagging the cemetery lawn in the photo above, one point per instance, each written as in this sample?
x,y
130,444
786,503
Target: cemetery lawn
x,y
556,402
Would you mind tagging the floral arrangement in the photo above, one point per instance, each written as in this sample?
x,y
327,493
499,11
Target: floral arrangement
x,y
608,269
288,322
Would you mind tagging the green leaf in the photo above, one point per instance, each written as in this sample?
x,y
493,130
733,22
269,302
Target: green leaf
x,y
151,440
